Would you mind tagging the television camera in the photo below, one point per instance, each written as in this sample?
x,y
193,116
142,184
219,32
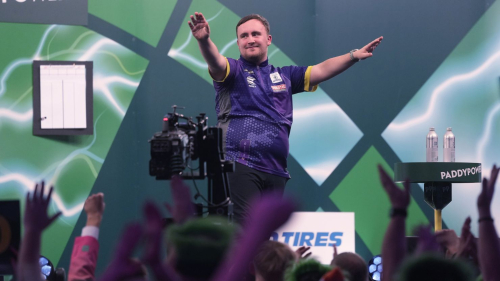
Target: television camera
x,y
183,141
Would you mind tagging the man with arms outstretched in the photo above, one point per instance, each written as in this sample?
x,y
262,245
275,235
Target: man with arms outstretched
x,y
254,104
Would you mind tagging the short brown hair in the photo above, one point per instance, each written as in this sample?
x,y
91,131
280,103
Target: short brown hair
x,y
353,264
272,260
254,17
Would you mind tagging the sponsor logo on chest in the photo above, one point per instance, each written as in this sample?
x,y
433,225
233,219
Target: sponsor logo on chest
x,y
279,88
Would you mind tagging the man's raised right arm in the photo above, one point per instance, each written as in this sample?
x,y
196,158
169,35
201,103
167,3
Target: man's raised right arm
x,y
217,64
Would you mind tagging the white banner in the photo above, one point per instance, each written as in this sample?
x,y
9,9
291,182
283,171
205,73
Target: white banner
x,y
319,230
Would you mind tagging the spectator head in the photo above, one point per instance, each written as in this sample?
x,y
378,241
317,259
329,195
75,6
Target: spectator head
x,y
353,264
197,247
336,274
307,270
272,260
431,267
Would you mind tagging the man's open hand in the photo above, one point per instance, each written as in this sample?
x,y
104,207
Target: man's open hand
x,y
367,51
199,26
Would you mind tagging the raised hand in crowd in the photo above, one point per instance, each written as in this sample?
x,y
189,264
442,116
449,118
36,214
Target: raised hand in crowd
x,y
448,240
489,246
86,247
335,253
464,246
94,208
123,266
400,198
183,208
486,195
153,239
302,252
36,220
394,245
266,215
427,241
467,247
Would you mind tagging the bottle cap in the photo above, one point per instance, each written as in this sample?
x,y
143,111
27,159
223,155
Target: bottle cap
x,y
448,129
431,129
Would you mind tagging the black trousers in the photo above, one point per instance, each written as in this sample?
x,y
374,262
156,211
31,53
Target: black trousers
x,y
248,184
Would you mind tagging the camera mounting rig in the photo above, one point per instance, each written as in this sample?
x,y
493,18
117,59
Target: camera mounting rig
x,y
183,141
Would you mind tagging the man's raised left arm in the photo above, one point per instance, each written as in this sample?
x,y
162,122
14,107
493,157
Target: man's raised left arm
x,y
336,65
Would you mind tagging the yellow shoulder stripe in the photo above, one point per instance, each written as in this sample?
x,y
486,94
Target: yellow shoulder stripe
x,y
307,79
227,72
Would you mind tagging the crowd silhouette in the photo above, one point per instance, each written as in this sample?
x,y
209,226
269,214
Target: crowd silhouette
x,y
211,248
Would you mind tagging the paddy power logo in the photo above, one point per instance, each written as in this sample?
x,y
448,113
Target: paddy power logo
x,y
72,12
458,173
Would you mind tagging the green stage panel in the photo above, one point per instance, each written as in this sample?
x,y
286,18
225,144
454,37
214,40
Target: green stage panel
x,y
144,19
361,192
70,163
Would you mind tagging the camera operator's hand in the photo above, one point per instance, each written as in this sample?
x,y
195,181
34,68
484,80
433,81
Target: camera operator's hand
x,y
94,207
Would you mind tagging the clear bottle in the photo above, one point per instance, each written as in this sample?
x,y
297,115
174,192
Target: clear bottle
x,y
432,146
449,146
